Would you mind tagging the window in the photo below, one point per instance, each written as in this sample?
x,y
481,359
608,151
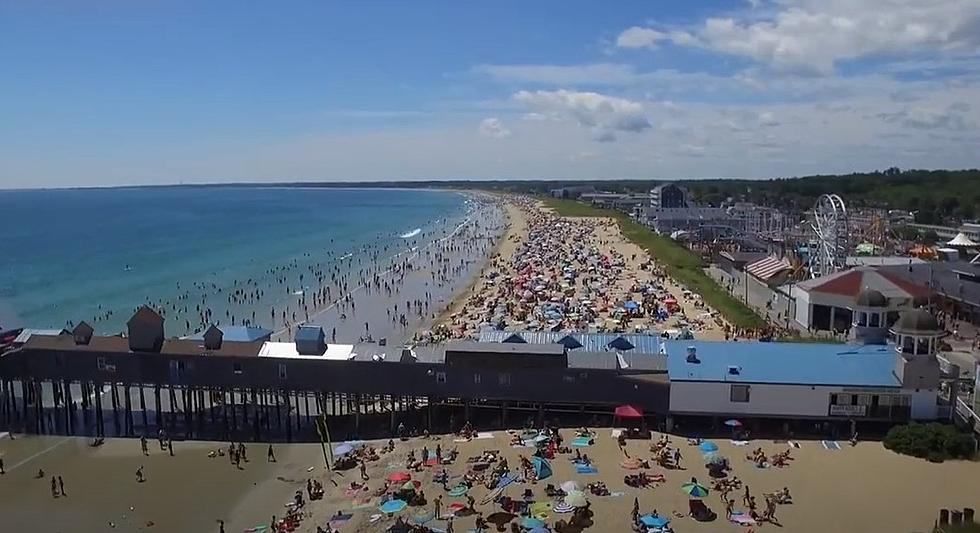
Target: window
x,y
503,379
102,364
477,379
237,368
440,377
740,393
282,371
568,379
884,400
844,399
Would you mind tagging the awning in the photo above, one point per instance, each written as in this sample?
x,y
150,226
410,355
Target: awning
x,y
768,267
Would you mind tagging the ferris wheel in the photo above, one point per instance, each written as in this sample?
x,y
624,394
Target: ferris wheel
x,y
828,254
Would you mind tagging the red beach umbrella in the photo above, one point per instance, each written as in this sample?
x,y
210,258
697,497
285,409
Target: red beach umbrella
x,y
628,411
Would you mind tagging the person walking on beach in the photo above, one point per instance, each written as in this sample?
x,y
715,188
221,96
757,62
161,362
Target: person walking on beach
x,y
139,475
747,496
677,457
364,475
143,445
170,445
271,455
61,487
437,504
241,451
2,471
54,487
221,526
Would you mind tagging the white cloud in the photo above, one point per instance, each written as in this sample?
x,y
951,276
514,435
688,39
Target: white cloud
x,y
953,117
603,115
590,74
493,127
637,37
815,35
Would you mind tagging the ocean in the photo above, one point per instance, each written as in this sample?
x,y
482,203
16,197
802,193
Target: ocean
x,y
97,254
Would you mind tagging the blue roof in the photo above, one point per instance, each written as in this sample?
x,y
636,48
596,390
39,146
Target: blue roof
x,y
786,363
237,334
591,342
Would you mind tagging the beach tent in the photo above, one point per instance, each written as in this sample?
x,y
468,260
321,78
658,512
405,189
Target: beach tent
x,y
542,468
628,411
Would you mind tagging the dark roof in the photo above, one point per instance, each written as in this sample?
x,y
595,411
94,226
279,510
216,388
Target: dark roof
x,y
505,347
309,333
871,298
67,343
238,333
83,329
916,321
119,345
145,315
592,360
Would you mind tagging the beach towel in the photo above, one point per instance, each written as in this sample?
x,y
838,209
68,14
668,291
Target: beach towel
x,y
492,495
581,442
338,520
794,444
484,435
831,445
616,433
586,469
740,443
742,519
506,479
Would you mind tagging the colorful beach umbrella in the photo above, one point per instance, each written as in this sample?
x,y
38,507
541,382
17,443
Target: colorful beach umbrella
x,y
393,506
542,468
695,490
409,485
628,411
458,491
708,447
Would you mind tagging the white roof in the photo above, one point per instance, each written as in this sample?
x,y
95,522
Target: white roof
x,y
25,335
336,352
961,240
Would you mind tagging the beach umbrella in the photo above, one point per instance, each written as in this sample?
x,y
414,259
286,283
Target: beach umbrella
x,y
714,458
458,491
541,439
631,305
500,518
399,477
343,449
694,490
628,411
570,486
424,516
409,485
531,523
393,506
576,498
540,509
652,520
732,423
708,447
563,507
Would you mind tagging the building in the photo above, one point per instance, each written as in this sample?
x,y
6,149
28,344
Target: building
x,y
699,220
668,196
789,382
970,229
759,221
627,203
956,283
826,303
572,192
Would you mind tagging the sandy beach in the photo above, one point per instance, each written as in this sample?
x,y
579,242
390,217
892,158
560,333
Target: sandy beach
x,y
864,488
574,274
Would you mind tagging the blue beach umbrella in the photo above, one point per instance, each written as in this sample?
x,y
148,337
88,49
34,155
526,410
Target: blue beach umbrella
x,y
393,506
652,520
708,447
631,305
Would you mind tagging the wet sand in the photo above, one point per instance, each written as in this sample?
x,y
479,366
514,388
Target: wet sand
x,y
865,488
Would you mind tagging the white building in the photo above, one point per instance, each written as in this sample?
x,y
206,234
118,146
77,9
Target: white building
x,y
765,380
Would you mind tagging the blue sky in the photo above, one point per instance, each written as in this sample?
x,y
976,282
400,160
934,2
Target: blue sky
x,y
111,92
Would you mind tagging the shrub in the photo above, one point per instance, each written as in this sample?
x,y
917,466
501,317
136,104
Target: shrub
x,y
934,442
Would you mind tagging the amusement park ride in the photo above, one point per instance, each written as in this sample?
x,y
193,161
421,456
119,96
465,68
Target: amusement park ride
x,y
829,243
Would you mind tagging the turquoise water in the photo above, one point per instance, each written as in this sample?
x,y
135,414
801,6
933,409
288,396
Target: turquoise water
x,y
95,255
